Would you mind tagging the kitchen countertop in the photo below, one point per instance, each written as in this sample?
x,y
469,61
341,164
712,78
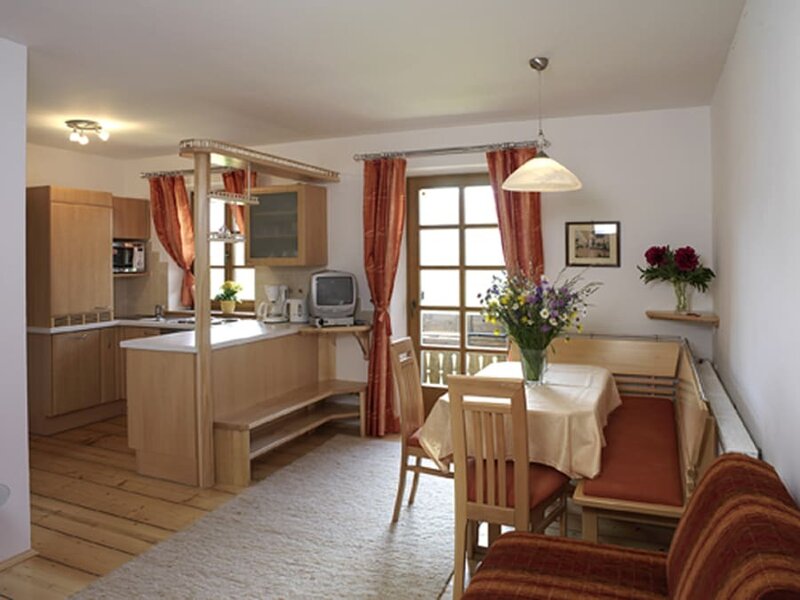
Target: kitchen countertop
x,y
223,335
122,322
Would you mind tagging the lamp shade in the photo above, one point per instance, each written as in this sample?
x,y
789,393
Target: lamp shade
x,y
542,174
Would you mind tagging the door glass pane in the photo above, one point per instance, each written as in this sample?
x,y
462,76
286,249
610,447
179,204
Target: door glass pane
x,y
438,287
438,206
440,328
482,335
477,282
216,280
483,247
216,253
238,254
438,247
480,360
479,206
247,279
436,365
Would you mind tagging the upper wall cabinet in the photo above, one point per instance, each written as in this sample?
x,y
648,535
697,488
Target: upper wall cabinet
x,y
288,227
68,263
131,218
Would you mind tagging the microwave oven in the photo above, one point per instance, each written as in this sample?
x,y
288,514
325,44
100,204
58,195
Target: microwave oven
x,y
129,257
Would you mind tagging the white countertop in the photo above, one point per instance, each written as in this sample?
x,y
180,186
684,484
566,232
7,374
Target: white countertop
x,y
222,336
115,323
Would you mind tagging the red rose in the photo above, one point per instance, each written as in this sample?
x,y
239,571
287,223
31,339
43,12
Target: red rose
x,y
686,259
656,255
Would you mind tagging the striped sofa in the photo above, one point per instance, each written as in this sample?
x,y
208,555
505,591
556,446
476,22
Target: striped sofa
x,y
738,539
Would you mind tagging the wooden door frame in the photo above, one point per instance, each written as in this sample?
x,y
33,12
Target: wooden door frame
x,y
413,187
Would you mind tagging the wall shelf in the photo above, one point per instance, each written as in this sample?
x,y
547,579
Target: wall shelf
x,y
703,318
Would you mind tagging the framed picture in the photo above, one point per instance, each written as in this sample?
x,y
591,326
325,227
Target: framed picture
x,y
593,244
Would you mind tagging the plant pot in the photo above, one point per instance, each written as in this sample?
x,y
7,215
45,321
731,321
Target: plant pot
x,y
228,306
534,364
681,297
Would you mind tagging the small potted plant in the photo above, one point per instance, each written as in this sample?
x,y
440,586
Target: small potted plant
x,y
681,268
227,296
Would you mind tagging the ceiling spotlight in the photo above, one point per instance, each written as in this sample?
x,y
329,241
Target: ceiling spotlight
x,y
80,127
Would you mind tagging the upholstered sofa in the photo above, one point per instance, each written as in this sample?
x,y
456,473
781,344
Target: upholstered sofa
x,y
738,539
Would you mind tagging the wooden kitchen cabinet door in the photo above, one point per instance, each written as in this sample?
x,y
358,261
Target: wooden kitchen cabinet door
x,y
131,218
75,371
81,259
109,345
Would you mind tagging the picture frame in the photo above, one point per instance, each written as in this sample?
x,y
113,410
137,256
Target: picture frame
x,y
592,243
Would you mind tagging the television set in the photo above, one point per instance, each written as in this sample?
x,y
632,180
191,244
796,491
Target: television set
x,y
333,298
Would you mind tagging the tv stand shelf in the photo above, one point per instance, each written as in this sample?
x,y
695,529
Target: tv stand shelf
x,y
360,332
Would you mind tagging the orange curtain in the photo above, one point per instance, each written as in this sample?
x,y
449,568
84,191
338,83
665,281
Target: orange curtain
x,y
172,217
384,219
234,182
519,214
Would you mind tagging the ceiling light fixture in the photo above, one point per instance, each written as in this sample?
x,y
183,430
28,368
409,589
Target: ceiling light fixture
x,y
541,173
79,128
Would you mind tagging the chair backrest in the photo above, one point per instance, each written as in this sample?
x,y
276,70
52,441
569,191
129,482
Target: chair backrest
x,y
739,537
405,370
484,413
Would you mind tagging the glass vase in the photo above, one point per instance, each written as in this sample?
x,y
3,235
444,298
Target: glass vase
x,y
681,297
534,364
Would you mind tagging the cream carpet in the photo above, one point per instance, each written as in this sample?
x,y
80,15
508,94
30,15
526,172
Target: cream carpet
x,y
318,528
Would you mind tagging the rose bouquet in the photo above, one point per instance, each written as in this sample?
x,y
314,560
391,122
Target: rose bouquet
x,y
681,268
534,312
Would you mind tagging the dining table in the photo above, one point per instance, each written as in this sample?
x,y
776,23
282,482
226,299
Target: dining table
x,y
566,413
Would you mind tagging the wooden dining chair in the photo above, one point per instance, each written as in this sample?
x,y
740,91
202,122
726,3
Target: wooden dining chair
x,y
490,486
405,370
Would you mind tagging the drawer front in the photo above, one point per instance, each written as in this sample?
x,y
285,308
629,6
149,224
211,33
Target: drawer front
x,y
76,371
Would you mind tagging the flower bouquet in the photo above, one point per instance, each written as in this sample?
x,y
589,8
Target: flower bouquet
x,y
534,312
681,268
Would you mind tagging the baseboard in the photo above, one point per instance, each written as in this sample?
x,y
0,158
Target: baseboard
x,y
10,562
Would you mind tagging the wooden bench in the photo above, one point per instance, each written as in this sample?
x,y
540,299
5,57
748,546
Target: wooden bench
x,y
244,435
658,443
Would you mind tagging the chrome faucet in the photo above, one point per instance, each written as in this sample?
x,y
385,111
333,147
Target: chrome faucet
x,y
159,312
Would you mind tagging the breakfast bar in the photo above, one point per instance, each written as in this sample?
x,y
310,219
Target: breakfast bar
x,y
264,379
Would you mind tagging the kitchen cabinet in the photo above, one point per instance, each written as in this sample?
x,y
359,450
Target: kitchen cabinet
x,y
288,226
131,218
69,260
123,334
75,371
109,350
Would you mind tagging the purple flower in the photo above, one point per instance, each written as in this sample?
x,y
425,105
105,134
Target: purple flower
x,y
545,328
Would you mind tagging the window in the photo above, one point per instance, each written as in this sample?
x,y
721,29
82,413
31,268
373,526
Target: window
x,y
227,260
454,251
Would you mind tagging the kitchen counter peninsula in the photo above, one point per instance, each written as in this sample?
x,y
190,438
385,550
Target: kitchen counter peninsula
x,y
269,384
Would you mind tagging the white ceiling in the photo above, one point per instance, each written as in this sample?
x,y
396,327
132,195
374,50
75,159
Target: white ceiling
x,y
268,71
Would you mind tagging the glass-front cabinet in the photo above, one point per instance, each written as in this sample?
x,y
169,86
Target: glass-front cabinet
x,y
288,226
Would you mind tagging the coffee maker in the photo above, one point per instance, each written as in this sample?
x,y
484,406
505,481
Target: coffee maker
x,y
275,309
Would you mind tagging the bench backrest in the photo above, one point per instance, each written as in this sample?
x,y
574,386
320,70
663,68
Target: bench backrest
x,y
657,368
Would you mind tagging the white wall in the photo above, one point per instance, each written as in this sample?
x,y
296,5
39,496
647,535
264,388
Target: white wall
x,y
756,208
649,170
74,168
15,514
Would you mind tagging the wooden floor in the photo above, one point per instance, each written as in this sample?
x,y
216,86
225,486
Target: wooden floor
x,y
91,512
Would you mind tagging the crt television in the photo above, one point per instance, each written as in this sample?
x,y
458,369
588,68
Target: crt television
x,y
332,294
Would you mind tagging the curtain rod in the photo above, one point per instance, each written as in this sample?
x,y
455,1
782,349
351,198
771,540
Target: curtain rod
x,y
149,174
445,151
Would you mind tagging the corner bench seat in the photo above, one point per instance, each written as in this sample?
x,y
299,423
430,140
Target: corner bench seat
x,y
244,435
640,461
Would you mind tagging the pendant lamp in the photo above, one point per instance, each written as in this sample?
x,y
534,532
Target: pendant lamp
x,y
541,173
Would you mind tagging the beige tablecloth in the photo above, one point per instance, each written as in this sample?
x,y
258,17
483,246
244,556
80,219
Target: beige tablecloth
x,y
566,417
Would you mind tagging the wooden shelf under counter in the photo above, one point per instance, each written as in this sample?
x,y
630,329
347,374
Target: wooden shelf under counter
x,y
360,332
703,318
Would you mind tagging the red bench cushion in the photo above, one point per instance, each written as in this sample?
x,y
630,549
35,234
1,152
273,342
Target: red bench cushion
x,y
521,566
739,536
640,460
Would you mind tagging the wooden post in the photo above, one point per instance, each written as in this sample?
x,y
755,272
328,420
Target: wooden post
x,y
202,324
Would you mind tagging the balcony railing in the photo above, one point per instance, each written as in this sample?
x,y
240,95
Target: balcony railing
x,y
436,365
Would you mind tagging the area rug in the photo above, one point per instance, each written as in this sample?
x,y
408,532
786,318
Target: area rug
x,y
318,528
